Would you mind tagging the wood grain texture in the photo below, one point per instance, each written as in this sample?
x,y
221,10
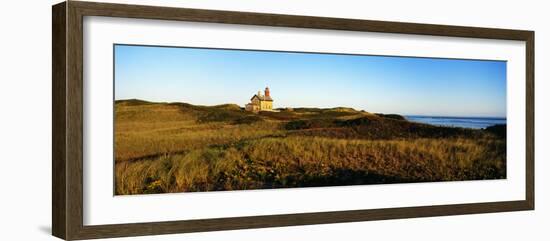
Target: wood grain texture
x,y
279,20
59,193
67,78
530,120
74,121
121,230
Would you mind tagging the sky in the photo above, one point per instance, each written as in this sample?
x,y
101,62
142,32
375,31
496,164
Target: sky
x,y
377,84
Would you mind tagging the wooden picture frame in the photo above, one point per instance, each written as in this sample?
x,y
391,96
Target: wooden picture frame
x,y
67,124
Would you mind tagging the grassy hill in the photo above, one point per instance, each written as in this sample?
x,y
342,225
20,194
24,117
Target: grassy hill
x,y
176,147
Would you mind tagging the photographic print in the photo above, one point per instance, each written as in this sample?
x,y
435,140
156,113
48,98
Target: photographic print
x,y
203,119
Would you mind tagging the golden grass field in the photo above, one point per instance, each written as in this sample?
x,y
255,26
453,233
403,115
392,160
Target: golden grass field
x,y
178,147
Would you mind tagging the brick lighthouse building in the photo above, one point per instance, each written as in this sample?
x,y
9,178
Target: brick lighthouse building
x,y
260,102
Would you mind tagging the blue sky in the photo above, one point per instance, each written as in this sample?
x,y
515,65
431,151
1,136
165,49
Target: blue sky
x,y
402,85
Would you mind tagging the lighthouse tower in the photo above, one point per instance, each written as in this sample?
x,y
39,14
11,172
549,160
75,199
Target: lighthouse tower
x,y
260,102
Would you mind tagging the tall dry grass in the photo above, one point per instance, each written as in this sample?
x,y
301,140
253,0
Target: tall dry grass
x,y
163,147
153,130
314,161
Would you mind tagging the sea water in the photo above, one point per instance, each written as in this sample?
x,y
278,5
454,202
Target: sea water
x,y
465,122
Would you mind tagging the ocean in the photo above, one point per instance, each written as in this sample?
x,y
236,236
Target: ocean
x,y
465,122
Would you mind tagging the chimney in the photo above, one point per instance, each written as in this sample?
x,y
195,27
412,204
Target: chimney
x,y
266,91
259,93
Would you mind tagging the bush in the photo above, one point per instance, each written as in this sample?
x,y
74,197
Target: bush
x,y
391,116
498,130
247,120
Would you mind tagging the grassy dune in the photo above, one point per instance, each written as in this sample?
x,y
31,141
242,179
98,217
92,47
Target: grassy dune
x,y
177,147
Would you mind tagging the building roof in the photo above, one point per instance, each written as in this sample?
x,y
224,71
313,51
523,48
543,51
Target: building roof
x,y
262,97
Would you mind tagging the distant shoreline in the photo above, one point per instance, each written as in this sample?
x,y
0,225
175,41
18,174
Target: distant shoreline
x,y
457,117
464,122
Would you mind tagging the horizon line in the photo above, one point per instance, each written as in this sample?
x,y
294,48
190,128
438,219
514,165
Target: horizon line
x,y
410,115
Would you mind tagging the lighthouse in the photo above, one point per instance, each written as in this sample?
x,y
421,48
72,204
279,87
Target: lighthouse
x,y
260,102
